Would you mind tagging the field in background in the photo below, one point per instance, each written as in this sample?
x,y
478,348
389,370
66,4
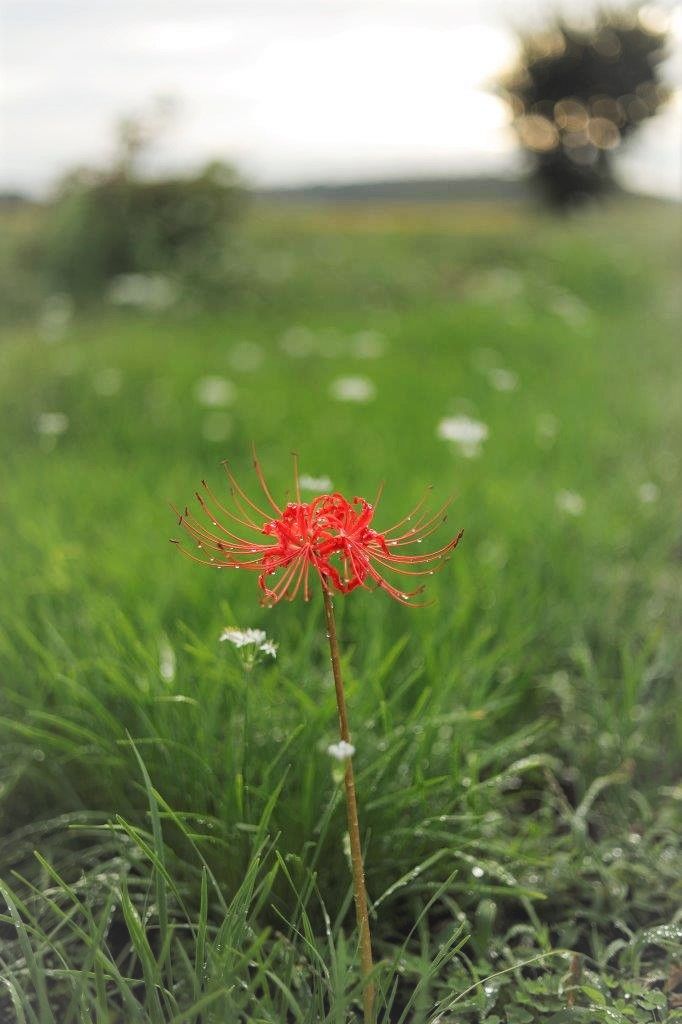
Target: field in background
x,y
518,743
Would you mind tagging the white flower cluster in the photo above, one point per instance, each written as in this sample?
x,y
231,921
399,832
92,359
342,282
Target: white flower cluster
x,y
341,751
466,433
570,502
353,389
251,643
318,484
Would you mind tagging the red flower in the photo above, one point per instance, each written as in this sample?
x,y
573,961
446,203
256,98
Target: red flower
x,y
332,535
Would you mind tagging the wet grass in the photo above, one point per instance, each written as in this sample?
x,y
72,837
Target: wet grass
x,y
173,827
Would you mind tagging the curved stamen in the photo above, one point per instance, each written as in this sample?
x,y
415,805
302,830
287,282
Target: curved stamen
x,y
410,515
239,492
261,480
227,512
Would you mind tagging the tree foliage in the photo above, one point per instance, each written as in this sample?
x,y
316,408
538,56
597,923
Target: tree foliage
x,y
578,93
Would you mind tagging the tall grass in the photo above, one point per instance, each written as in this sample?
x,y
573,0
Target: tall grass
x,y
173,829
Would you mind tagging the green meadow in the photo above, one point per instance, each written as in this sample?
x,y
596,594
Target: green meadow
x,y
173,826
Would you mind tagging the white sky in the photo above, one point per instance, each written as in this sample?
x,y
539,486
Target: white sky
x,y
289,90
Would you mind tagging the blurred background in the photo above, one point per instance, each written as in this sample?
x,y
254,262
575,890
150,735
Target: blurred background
x,y
138,137
420,241
298,92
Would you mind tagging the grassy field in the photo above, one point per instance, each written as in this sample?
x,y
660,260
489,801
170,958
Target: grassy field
x,y
173,828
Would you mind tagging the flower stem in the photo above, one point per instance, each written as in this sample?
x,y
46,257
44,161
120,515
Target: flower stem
x,y
359,890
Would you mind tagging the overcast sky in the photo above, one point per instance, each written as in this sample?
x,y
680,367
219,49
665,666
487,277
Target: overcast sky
x,y
289,90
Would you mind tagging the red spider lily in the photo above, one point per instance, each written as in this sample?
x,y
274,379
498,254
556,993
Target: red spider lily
x,y
332,535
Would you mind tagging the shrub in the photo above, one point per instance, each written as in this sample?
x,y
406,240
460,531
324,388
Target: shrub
x,y
106,224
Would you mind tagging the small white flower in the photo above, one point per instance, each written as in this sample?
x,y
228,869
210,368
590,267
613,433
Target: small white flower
x,y
648,493
503,380
214,392
317,484
242,637
570,502
166,660
251,644
341,751
147,291
353,389
269,647
52,424
466,433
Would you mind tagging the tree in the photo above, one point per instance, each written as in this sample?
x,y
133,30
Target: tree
x,y
578,93
114,221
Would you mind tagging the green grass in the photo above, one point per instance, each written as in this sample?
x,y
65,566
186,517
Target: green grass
x,y
173,840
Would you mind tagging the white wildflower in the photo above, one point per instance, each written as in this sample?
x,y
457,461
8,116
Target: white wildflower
x,y
269,647
145,291
166,660
52,424
317,484
503,380
353,389
466,433
648,493
243,637
251,644
214,392
341,751
570,502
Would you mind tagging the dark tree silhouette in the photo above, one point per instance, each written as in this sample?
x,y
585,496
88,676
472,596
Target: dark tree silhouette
x,y
578,93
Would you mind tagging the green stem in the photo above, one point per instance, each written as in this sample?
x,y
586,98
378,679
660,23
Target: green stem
x,y
359,889
245,740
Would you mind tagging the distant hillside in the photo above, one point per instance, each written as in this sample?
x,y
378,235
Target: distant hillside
x,y
404,190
